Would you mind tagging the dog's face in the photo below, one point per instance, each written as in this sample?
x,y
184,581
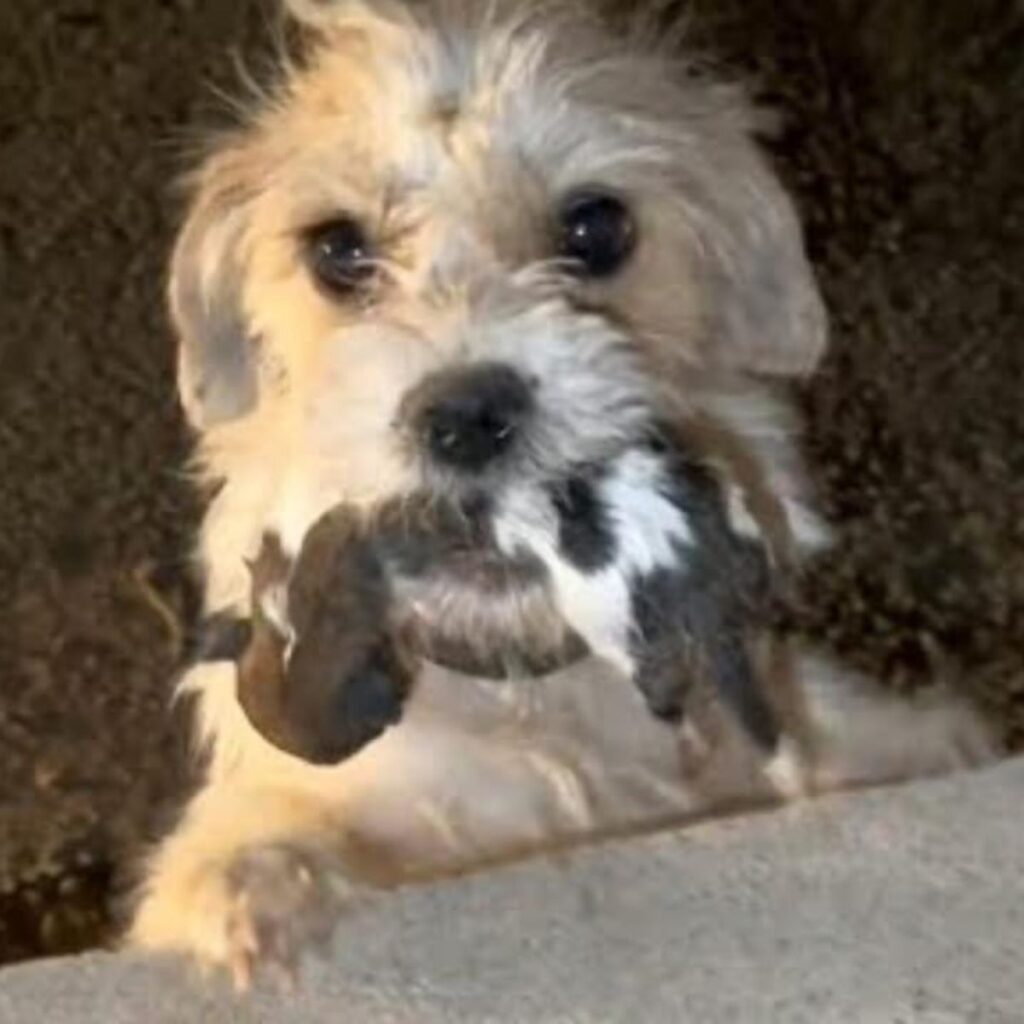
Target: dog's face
x,y
470,239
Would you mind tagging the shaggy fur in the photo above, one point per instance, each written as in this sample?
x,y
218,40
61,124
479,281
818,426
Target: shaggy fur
x,y
451,129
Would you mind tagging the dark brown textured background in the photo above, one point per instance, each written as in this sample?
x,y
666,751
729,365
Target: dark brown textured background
x,y
904,141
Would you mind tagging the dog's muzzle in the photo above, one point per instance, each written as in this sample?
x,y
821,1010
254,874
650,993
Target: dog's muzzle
x,y
466,418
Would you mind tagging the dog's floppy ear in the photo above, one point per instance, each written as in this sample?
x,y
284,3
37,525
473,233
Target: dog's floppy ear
x,y
217,377
763,311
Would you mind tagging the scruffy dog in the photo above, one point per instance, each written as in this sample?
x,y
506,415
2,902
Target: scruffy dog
x,y
430,188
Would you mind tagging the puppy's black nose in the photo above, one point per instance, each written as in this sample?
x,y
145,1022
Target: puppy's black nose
x,y
474,415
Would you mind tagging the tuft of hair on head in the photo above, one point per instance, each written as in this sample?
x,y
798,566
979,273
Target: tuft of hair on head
x,y
332,15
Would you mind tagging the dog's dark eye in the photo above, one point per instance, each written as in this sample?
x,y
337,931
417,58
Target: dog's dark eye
x,y
597,233
340,255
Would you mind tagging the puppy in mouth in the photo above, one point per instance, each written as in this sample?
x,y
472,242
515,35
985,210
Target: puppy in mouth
x,y
636,556
427,190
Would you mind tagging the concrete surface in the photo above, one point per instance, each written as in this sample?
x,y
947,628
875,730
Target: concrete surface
x,y
898,906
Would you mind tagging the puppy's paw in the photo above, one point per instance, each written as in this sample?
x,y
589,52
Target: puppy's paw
x,y
282,901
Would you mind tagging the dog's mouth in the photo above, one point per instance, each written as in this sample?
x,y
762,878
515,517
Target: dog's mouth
x,y
489,582
504,661
493,574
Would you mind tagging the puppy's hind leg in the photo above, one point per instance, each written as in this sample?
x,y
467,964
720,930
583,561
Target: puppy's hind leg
x,y
251,878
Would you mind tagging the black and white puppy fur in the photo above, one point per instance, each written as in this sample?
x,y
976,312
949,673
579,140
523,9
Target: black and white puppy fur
x,y
646,567
639,556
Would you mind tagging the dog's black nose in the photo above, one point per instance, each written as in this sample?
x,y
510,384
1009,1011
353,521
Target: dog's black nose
x,y
474,414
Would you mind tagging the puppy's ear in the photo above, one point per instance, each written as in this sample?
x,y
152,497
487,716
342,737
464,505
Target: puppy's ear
x,y
217,377
764,313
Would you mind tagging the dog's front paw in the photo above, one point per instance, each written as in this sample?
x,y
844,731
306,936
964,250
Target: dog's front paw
x,y
255,912
282,902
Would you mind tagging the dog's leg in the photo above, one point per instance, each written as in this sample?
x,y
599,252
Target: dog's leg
x,y
251,877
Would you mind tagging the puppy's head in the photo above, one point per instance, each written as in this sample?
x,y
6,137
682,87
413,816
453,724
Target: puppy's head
x,y
467,239
322,671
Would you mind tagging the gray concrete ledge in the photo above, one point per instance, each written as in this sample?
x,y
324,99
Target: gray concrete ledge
x,y
902,905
